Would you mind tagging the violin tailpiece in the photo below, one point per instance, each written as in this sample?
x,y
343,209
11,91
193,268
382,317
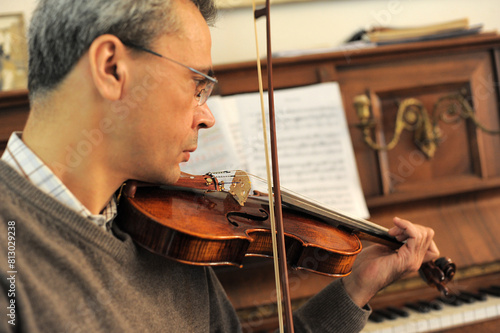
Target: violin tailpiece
x,y
240,187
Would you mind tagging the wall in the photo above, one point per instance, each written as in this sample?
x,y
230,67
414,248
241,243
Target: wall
x,y
321,23
328,23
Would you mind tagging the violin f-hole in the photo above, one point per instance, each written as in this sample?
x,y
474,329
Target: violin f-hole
x,y
243,217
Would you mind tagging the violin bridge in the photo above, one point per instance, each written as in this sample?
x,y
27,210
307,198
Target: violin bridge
x,y
240,187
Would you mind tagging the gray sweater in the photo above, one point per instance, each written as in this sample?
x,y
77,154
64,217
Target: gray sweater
x,y
70,276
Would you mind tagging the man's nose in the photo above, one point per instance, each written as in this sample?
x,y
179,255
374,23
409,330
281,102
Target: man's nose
x,y
206,118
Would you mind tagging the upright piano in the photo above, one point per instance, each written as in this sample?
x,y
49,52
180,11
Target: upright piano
x,y
447,179
445,176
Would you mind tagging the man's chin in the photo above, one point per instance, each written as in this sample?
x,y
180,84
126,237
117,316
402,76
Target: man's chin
x,y
168,177
173,176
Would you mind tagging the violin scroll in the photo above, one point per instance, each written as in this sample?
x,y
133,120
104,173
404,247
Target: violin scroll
x,y
438,273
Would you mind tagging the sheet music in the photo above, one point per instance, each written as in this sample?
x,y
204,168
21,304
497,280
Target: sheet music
x,y
219,148
315,153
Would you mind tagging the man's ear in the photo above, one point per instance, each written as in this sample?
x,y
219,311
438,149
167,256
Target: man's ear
x,y
108,66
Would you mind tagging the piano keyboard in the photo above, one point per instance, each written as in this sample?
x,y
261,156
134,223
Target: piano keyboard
x,y
464,309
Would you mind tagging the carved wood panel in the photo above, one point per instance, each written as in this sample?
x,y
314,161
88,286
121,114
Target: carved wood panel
x,y
464,154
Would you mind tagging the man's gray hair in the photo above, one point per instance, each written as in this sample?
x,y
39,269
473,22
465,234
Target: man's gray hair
x,y
61,31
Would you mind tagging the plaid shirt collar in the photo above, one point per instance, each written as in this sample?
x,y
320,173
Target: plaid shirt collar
x,y
24,161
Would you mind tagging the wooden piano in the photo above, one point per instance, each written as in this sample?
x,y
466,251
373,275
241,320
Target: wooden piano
x,y
450,182
452,185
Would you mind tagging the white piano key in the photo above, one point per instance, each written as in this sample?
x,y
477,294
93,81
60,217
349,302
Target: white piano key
x,y
446,321
480,314
469,316
434,323
422,325
456,318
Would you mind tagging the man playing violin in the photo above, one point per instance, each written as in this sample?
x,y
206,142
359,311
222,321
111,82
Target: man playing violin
x,y
118,91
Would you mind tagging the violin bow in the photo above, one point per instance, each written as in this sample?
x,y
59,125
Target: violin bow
x,y
276,215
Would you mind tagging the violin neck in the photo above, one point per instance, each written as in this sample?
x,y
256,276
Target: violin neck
x,y
364,229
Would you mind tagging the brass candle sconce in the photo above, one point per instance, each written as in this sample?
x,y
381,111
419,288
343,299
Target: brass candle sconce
x,y
413,116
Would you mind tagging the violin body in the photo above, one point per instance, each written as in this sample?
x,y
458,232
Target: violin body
x,y
199,224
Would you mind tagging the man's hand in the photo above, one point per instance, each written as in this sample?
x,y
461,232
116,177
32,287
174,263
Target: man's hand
x,y
378,266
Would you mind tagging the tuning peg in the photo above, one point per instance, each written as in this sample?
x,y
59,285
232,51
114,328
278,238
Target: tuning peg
x,y
438,273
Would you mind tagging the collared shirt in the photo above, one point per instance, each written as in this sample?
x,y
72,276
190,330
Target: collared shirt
x,y
24,161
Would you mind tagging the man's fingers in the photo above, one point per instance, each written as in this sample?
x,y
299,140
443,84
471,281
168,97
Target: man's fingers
x,y
432,253
419,240
404,229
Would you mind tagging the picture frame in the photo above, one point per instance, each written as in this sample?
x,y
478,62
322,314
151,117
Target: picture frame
x,y
13,52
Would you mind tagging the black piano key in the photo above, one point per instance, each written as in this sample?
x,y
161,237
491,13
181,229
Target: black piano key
x,y
435,305
375,317
426,304
451,300
418,307
490,291
495,287
386,314
479,296
398,311
465,298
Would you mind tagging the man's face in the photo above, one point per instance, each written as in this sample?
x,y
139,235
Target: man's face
x,y
163,126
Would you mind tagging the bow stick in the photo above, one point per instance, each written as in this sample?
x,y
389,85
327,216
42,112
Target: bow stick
x,y
279,250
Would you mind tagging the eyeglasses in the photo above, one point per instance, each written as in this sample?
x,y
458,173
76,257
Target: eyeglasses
x,y
202,95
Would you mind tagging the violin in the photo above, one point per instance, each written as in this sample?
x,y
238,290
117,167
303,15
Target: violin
x,y
220,218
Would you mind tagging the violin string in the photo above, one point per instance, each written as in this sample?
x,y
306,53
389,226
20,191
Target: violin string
x,y
328,214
